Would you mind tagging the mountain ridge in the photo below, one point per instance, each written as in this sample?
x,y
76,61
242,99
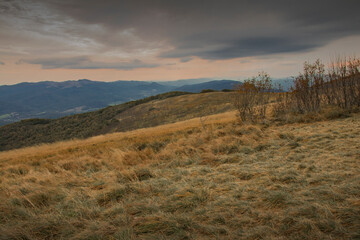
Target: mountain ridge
x,y
213,85
58,99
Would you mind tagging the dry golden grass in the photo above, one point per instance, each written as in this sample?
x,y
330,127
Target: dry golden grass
x,y
186,181
170,110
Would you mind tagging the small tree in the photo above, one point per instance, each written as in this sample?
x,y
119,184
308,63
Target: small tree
x,y
344,83
245,99
264,87
251,97
308,86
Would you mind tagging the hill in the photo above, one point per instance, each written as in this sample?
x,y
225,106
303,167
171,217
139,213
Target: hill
x,y
186,180
214,85
59,99
56,99
183,82
148,112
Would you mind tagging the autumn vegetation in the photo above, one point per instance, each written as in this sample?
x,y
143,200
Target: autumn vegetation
x,y
252,97
315,92
284,169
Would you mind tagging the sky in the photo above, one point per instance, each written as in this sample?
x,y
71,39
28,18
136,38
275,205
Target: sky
x,y
162,40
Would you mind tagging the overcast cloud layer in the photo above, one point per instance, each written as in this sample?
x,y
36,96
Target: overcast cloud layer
x,y
129,34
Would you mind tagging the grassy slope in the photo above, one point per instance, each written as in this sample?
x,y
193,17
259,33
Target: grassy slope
x,y
174,109
35,131
180,181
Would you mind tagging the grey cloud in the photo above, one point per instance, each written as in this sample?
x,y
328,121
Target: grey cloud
x,y
185,59
240,28
37,29
2,63
248,47
210,29
245,61
10,6
84,62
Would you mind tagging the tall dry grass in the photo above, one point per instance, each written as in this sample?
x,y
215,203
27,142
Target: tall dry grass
x,y
188,180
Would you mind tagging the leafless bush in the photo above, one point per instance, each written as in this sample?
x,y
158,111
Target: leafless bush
x,y
264,87
343,83
308,86
251,97
315,88
312,90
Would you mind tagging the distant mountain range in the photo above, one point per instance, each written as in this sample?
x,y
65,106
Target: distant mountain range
x,y
214,85
58,99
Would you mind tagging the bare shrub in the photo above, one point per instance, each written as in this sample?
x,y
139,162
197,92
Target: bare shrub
x,y
307,87
343,83
316,89
264,87
251,97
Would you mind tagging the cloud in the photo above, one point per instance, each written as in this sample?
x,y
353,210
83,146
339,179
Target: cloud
x,y
133,29
185,59
2,63
256,47
35,28
84,62
224,29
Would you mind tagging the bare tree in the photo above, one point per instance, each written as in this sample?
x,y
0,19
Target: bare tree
x,y
251,97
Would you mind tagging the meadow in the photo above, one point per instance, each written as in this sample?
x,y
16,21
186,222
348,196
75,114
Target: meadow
x,y
209,179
